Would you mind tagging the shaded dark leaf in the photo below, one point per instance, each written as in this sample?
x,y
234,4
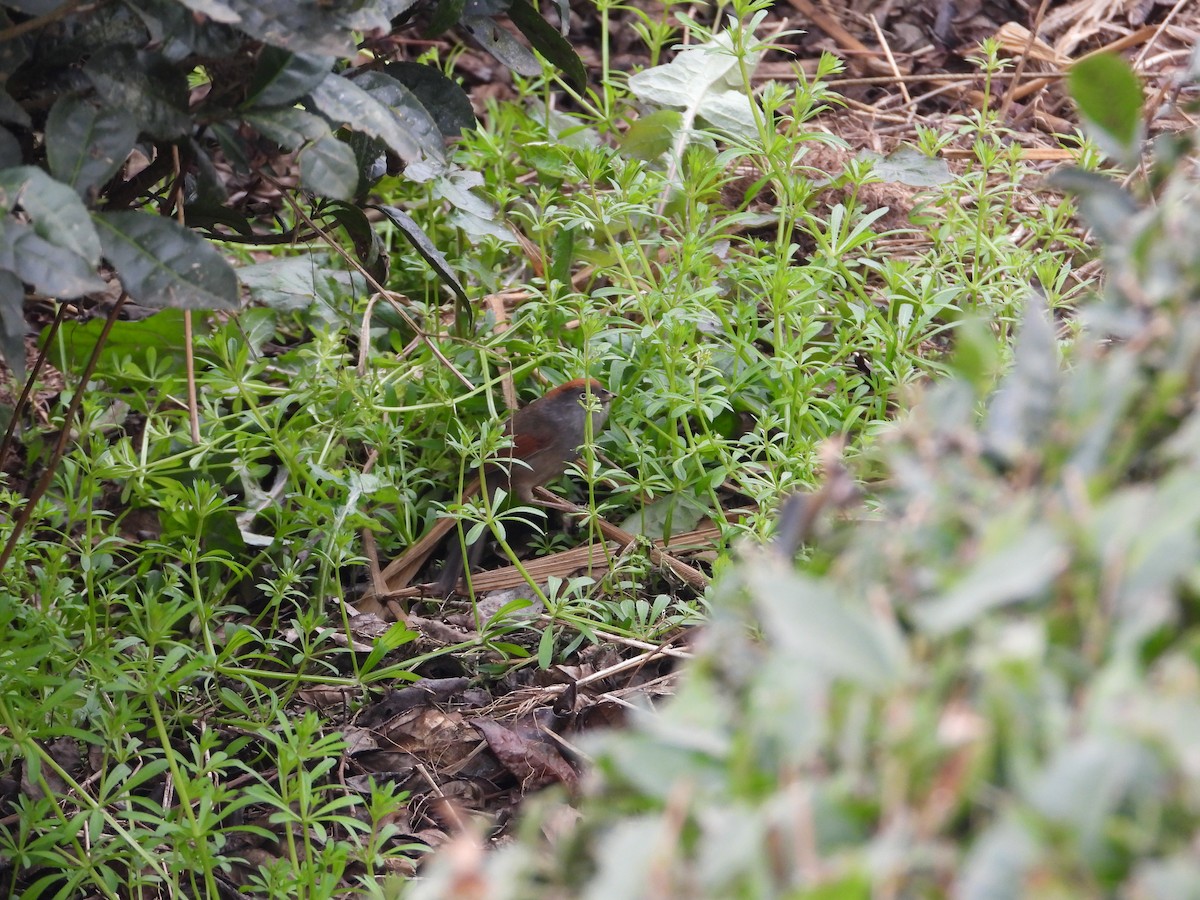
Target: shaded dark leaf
x,y
50,269
10,150
502,45
408,110
425,247
54,210
367,246
290,128
11,111
344,103
328,168
152,92
442,97
161,263
448,13
86,143
12,323
284,77
549,42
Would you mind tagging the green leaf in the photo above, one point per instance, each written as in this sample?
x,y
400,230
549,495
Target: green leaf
x,y
547,41
328,168
12,323
282,77
423,245
908,165
49,268
412,115
161,334
85,143
290,128
161,263
345,103
652,135
1109,97
441,96
145,87
821,630
446,15
502,45
54,210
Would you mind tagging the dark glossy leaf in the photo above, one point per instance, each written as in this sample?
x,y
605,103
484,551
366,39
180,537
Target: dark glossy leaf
x,y
161,263
549,42
446,15
54,210
11,111
10,150
153,93
442,97
50,269
1109,96
328,168
290,128
346,104
86,143
367,246
283,77
501,44
35,7
208,217
319,28
12,323
409,111
425,247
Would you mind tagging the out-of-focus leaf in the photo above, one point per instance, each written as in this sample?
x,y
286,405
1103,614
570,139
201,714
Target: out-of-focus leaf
x,y
1109,96
10,150
54,210
12,323
442,97
163,333
996,865
161,263
446,15
152,92
282,77
652,135
328,168
425,247
907,165
502,45
821,630
11,111
1017,571
547,41
1107,207
214,9
1021,410
669,514
51,269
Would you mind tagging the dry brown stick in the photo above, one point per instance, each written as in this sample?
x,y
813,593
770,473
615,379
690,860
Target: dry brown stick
x,y
1116,46
1010,93
831,27
887,52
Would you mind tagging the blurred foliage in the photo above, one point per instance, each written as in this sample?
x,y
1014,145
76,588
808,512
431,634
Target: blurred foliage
x,y
987,683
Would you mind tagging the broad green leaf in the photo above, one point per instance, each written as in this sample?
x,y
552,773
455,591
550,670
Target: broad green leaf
x,y
907,165
12,323
344,103
86,143
282,77
1018,571
547,41
823,632
445,15
442,97
652,135
290,128
152,92
328,168
295,282
501,44
1109,97
161,263
49,268
54,210
161,334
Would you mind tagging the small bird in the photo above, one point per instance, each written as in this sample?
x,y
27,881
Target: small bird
x,y
546,436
